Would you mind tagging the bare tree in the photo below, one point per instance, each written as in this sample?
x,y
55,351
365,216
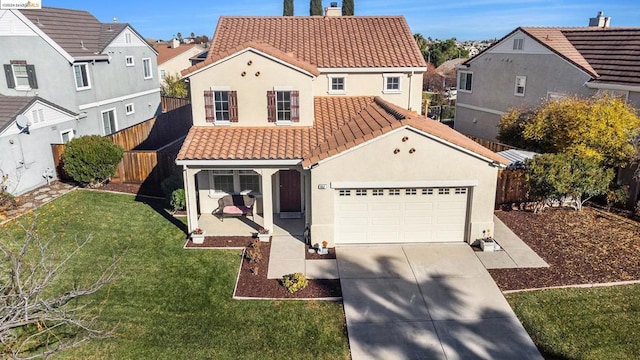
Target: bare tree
x,y
39,315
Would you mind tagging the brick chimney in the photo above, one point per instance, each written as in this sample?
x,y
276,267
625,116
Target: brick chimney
x,y
599,21
333,10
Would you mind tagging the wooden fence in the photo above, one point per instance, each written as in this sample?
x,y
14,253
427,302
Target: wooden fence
x,y
172,103
511,187
491,145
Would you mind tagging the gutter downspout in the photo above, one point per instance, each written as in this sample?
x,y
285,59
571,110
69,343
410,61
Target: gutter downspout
x,y
410,86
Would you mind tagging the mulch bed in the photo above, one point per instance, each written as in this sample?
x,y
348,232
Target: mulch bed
x,y
258,286
135,189
584,247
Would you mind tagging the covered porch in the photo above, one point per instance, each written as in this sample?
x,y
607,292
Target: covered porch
x,y
247,226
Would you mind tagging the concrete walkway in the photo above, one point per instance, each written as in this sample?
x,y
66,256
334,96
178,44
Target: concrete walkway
x,y
288,256
426,302
516,253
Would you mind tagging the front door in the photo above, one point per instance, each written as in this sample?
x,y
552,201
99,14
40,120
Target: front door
x,y
290,191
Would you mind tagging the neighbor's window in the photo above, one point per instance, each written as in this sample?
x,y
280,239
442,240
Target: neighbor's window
x,y
521,83
282,106
222,181
465,81
129,109
81,73
249,181
109,121
518,44
129,61
337,84
20,75
146,66
66,136
163,74
391,83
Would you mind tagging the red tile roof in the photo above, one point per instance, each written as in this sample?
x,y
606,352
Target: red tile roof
x,y
166,52
342,41
340,123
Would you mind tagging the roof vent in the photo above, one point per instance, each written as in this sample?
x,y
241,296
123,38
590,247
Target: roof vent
x,y
110,28
115,19
82,46
38,23
600,21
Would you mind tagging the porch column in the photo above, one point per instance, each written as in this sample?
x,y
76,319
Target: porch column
x,y
189,176
267,197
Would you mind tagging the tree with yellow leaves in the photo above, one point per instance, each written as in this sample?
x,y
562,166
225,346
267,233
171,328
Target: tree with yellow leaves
x,y
602,128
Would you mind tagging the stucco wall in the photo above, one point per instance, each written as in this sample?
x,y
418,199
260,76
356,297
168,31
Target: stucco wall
x,y
176,64
252,89
375,161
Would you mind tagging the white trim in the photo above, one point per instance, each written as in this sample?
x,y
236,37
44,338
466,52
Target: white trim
x,y
279,162
120,98
75,79
479,108
70,131
402,184
330,78
133,109
372,69
605,86
133,60
385,77
284,122
115,121
460,72
220,88
15,78
257,52
148,61
283,88
44,36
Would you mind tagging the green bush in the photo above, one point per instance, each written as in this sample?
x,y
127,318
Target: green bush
x,y
91,160
294,282
178,200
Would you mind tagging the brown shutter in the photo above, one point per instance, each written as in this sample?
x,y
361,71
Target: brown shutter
x,y
271,106
209,111
8,72
31,72
233,106
295,107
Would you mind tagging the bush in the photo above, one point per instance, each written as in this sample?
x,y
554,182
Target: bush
x,y
91,160
172,183
178,200
294,282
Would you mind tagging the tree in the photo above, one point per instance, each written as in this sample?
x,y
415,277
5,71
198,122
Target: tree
x,y
602,127
564,177
174,87
193,35
91,160
441,51
315,8
423,45
179,36
41,314
347,8
287,8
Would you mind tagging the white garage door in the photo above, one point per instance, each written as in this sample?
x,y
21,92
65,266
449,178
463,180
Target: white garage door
x,y
400,215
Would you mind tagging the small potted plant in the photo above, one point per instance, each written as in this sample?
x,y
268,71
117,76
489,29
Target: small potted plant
x,y
263,234
487,243
197,236
322,248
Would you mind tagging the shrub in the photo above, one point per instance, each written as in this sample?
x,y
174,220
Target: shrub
x,y
172,183
254,253
294,282
91,160
178,200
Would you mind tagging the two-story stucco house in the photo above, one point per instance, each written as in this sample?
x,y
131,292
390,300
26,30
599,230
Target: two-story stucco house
x,y
174,57
316,118
102,74
532,64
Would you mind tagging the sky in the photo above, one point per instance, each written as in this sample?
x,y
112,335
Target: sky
x,y
460,19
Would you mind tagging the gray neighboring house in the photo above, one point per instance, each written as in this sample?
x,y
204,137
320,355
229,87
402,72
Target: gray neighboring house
x,y
531,64
106,73
25,160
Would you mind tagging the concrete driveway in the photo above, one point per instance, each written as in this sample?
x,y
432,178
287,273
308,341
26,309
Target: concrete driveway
x,y
429,301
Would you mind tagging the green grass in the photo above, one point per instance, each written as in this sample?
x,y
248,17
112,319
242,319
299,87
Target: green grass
x,y
171,303
597,323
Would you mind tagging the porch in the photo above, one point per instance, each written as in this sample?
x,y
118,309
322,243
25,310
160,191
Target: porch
x,y
247,226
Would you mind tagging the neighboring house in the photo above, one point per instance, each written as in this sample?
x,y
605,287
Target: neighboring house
x,y
531,64
106,72
173,57
28,127
315,117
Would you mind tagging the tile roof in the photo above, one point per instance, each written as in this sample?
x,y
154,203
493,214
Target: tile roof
x,y
77,31
342,41
340,123
12,106
166,52
265,48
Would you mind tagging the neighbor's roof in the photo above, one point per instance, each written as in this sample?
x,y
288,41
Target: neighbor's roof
x,y
166,52
325,42
73,29
12,106
340,123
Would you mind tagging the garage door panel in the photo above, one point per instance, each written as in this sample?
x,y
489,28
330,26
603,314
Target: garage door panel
x,y
400,218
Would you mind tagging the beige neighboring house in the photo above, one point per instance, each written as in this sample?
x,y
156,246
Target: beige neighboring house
x,y
315,118
174,57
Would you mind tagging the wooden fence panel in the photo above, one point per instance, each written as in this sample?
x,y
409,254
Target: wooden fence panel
x,y
56,151
511,187
491,145
172,103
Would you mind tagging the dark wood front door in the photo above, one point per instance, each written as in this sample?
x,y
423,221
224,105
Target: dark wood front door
x,y
289,191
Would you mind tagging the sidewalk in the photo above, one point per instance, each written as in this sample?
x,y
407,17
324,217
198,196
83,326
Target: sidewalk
x,y
288,257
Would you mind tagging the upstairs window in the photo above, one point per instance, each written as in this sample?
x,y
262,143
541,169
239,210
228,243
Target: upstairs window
x,y
391,84
465,80
20,75
337,84
518,44
521,83
146,67
128,60
221,106
81,74
282,106
109,121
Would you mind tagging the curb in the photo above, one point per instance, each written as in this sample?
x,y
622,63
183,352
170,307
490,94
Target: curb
x,y
579,286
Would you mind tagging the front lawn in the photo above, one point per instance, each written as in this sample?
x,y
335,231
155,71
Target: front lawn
x,y
595,323
171,303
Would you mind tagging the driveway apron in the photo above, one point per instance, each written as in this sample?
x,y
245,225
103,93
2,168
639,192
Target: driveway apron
x,y
431,301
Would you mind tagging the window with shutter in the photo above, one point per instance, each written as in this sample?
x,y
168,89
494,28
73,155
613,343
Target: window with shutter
x,y
271,106
208,106
20,75
233,106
